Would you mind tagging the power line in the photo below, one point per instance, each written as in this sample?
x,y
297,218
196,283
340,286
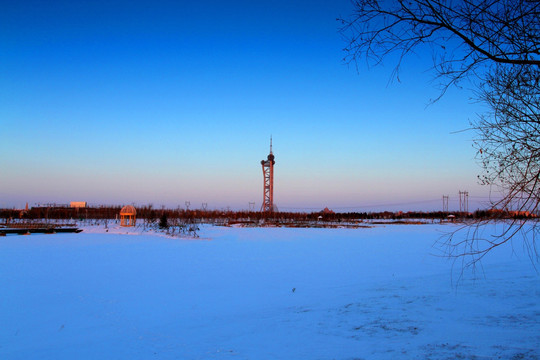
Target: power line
x,y
462,202
364,206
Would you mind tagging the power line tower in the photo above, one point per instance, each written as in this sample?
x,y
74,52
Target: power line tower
x,y
445,203
251,206
268,183
188,203
204,206
463,201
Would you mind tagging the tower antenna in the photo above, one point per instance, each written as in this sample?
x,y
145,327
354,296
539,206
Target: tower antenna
x,y
268,182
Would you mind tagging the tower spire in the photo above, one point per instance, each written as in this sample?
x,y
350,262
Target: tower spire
x,y
270,144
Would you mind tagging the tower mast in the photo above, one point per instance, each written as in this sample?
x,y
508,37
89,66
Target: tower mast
x,y
268,183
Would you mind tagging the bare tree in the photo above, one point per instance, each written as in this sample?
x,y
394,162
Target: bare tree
x,y
509,136
493,46
467,37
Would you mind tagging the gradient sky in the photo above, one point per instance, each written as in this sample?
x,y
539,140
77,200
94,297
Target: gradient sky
x,y
162,102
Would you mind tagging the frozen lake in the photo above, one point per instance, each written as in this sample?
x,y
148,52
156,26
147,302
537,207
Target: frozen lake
x,y
263,293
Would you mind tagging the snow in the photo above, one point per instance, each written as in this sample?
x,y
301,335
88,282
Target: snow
x,y
262,293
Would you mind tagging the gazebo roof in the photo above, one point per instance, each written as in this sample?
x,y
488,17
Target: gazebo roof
x,y
128,210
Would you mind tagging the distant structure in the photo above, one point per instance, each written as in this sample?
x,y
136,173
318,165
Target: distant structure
x,y
128,216
78,204
268,183
327,211
445,203
463,201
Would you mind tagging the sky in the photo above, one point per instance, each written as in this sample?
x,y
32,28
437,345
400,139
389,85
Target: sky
x,y
163,102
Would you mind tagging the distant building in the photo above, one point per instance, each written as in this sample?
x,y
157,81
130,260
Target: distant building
x,y
78,204
522,214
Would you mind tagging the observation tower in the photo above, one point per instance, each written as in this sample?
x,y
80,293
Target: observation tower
x,y
268,184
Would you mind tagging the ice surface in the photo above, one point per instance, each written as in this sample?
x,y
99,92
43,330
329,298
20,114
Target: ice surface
x,y
262,293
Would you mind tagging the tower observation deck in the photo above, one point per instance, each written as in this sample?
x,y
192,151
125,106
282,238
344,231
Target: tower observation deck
x,y
268,183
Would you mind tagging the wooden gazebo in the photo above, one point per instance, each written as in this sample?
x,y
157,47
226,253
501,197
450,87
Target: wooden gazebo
x,y
128,216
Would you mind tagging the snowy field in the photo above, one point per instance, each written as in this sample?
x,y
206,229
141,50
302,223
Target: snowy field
x,y
263,293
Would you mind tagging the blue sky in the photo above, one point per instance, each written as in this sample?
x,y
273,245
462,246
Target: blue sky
x,y
162,102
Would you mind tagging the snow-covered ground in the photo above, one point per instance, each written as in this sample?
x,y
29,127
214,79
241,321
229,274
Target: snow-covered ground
x,y
262,293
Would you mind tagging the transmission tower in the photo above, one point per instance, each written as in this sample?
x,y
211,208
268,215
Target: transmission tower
x,y
187,204
251,206
268,184
463,201
204,206
445,203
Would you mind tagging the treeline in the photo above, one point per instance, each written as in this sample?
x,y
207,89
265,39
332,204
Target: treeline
x,y
436,215
150,214
147,213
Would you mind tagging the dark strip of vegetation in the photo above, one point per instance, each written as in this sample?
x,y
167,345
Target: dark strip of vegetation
x,y
150,215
